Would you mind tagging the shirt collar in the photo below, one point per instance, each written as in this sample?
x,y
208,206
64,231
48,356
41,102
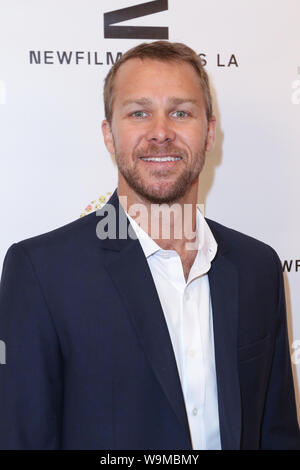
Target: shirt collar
x,y
207,243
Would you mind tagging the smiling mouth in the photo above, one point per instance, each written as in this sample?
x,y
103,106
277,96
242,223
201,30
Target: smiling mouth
x,y
167,158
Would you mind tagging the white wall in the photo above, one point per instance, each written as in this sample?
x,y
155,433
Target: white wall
x,y
53,162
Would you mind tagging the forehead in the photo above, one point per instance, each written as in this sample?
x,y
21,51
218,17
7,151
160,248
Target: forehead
x,y
156,78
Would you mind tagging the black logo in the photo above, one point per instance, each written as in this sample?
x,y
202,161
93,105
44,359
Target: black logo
x,y
135,32
291,265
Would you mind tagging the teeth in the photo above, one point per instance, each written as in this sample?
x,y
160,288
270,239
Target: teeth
x,y
160,159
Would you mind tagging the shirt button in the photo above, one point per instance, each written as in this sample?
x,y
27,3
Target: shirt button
x,y
192,353
195,411
187,296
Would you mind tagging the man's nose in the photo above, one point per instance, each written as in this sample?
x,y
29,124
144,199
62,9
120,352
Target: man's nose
x,y
160,130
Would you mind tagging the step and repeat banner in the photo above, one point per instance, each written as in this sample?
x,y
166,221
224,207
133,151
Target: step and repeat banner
x,y
54,168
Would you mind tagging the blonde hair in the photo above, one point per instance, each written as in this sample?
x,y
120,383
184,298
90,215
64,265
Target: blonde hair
x,y
164,51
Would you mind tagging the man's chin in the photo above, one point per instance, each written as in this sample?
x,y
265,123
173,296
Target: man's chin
x,y
165,191
161,196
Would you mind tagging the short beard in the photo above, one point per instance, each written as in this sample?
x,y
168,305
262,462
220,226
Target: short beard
x,y
175,193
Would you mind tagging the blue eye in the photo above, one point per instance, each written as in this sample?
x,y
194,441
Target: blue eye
x,y
180,114
139,114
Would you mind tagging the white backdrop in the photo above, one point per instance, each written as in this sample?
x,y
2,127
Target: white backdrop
x,y
53,160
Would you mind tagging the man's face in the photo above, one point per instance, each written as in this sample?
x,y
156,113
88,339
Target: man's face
x,y
159,131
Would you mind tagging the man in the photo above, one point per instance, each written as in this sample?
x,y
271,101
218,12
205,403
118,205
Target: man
x,y
131,339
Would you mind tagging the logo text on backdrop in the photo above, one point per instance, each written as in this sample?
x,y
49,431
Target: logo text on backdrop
x,y
135,32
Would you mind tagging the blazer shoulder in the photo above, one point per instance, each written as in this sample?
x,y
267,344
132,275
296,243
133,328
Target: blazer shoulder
x,y
239,243
72,235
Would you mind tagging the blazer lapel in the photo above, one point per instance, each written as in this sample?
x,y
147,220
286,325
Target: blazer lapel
x,y
223,280
129,270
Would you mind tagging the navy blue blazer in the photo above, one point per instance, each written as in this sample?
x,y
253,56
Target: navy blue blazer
x,y
89,360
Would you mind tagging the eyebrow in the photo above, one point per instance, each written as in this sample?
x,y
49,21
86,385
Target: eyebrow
x,y
172,100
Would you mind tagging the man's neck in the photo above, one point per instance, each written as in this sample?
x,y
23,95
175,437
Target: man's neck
x,y
172,226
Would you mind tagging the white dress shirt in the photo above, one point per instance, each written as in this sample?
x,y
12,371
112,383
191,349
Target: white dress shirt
x,y
188,313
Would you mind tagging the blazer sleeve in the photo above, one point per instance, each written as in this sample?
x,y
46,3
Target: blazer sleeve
x,y
280,429
31,382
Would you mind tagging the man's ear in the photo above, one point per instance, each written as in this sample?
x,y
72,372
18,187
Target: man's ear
x,y
211,134
108,137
